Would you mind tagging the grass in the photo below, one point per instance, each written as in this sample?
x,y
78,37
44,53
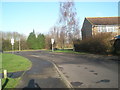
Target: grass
x,y
69,51
13,63
12,82
24,50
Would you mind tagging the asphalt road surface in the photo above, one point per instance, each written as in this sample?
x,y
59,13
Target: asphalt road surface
x,y
82,71
41,75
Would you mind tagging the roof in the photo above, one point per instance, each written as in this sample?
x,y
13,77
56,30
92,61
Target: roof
x,y
103,20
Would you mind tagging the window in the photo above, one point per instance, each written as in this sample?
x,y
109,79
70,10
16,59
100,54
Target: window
x,y
99,29
111,29
107,28
104,29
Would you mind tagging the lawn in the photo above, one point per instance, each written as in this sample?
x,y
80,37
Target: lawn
x,y
10,82
13,63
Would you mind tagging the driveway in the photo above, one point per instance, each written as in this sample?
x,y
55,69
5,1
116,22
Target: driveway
x,y
81,71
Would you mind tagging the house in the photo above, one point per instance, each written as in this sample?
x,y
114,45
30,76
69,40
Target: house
x,y
95,25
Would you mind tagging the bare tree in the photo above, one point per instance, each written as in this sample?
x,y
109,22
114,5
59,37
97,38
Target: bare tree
x,y
68,22
20,40
66,29
48,41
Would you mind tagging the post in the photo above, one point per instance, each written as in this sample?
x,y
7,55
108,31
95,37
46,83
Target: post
x,y
12,43
12,49
52,41
0,85
5,73
52,48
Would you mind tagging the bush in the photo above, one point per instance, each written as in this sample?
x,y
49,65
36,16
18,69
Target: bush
x,y
6,45
99,43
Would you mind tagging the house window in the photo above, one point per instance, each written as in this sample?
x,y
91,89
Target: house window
x,y
107,29
111,29
104,29
100,29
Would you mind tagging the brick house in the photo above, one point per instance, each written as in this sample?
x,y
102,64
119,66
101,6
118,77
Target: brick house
x,y
94,25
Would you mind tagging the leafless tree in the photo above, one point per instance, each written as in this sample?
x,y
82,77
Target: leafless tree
x,y
48,41
68,22
20,40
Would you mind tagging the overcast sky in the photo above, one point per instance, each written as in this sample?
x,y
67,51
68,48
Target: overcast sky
x,y
23,17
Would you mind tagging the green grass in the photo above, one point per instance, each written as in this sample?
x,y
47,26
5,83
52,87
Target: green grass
x,y
0,62
12,82
69,51
14,63
24,50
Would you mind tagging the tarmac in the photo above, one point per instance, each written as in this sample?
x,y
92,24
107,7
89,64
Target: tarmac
x,y
71,70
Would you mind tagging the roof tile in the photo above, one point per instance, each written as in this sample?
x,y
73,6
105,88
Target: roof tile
x,y
104,20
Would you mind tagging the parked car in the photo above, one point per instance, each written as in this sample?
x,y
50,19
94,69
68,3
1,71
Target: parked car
x,y
117,37
117,45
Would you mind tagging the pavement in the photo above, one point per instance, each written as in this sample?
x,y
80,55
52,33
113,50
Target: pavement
x,y
60,70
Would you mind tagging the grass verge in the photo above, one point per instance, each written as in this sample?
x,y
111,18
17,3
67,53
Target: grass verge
x,y
13,63
10,82
69,51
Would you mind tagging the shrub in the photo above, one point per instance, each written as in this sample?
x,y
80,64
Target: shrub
x,y
99,43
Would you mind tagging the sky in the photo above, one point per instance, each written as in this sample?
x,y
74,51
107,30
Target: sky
x,y
23,17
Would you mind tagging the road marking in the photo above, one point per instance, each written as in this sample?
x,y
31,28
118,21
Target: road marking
x,y
63,77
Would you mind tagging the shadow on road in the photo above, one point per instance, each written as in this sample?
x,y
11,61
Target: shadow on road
x,y
31,85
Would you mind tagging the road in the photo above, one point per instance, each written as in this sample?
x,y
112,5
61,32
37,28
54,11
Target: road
x,y
41,75
81,71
